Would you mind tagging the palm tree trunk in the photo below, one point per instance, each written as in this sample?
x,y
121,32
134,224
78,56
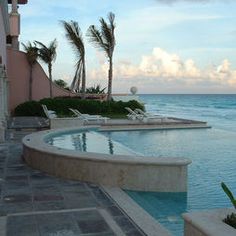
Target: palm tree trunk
x,y
83,85
110,74
30,82
50,77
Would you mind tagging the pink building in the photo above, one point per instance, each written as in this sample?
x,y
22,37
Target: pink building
x,y
14,68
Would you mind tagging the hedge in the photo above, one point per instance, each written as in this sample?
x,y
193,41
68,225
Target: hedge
x,y
61,107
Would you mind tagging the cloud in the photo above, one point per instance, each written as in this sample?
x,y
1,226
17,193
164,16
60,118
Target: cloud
x,y
167,69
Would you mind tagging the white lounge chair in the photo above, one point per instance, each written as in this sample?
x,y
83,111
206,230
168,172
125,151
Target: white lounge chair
x,y
148,116
49,113
132,115
87,117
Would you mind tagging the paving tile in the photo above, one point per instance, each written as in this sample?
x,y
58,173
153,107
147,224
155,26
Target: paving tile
x,y
47,197
30,230
15,186
16,191
100,234
87,215
100,194
20,221
74,188
80,203
57,224
24,189
94,226
17,198
78,195
114,211
46,190
64,182
125,224
47,206
16,177
9,208
135,232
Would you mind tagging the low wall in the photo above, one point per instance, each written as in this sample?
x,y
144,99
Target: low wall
x,y
208,223
125,97
127,172
57,123
18,74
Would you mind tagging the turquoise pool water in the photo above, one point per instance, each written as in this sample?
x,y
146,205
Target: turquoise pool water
x,y
212,151
88,141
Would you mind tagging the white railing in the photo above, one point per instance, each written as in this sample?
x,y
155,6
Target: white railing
x,y
3,101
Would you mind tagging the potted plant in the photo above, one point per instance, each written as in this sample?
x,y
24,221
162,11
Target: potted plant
x,y
231,218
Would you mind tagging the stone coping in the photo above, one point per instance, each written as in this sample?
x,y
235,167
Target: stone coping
x,y
131,172
36,141
208,223
152,127
142,219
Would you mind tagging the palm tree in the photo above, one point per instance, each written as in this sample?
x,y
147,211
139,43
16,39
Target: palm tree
x,y
31,52
105,40
48,55
74,36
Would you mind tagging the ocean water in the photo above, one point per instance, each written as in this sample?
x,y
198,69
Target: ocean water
x,y
212,151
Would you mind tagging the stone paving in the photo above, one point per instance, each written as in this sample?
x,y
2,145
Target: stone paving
x,y
26,122
36,204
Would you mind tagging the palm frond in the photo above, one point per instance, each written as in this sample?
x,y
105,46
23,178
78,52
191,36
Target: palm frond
x,y
47,54
96,38
74,36
31,52
111,18
105,31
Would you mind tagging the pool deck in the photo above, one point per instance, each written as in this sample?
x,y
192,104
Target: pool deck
x,y
35,204
168,123
40,123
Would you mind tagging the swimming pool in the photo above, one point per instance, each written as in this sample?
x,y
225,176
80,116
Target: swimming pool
x,y
212,152
88,141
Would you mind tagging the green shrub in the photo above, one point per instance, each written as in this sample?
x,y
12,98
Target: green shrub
x,y
31,108
61,107
231,220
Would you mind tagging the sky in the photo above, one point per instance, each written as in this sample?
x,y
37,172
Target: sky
x,y
162,46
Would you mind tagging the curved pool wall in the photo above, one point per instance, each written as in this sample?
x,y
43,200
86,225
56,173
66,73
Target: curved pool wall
x,y
127,172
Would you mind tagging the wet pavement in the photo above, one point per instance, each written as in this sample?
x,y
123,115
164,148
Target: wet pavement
x,y
35,204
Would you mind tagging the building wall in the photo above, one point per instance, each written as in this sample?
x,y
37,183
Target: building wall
x,y
18,71
3,28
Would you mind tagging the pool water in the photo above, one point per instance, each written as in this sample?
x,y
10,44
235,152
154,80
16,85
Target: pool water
x,y
89,141
213,155
212,151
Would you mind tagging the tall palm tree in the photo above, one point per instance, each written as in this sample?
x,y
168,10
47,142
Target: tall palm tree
x,y
48,55
104,39
31,52
75,38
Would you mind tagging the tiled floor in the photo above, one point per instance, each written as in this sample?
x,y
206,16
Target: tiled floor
x,y
36,204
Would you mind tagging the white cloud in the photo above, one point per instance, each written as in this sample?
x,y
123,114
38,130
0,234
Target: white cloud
x,y
167,69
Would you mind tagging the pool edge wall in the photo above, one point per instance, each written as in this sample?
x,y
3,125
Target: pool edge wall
x,y
208,222
148,174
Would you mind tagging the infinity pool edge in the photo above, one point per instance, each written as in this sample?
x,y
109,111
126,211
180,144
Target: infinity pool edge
x,y
127,172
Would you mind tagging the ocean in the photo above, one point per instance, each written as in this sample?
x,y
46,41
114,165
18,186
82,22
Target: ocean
x,y
212,151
